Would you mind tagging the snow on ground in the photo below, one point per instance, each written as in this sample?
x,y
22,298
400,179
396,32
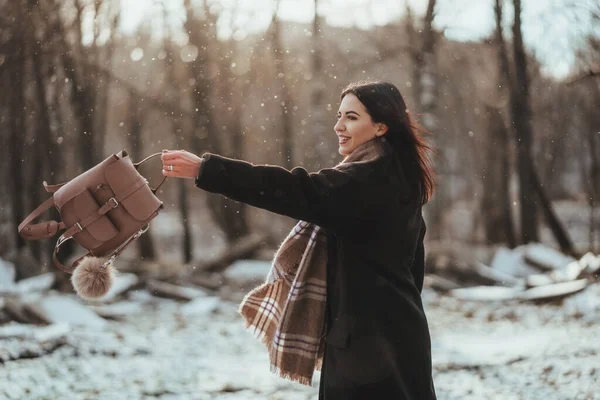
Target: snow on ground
x,y
173,350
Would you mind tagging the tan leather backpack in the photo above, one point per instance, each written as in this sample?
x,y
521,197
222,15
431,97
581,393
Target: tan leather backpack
x,y
104,209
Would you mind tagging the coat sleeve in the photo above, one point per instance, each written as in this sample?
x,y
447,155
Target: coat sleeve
x,y
329,198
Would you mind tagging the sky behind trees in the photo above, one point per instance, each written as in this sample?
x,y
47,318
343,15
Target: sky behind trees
x,y
552,28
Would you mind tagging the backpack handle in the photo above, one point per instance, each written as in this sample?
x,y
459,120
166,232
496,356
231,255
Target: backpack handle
x,y
137,166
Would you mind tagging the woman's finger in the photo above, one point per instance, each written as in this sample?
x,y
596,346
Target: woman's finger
x,y
170,155
171,170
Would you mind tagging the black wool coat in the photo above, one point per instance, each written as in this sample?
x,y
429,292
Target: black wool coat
x,y
378,343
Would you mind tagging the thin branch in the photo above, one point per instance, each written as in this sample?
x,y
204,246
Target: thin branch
x,y
582,76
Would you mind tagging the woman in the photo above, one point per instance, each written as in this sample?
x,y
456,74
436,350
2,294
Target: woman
x,y
344,291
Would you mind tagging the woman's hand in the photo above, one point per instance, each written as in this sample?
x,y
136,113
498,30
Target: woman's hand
x,y
180,164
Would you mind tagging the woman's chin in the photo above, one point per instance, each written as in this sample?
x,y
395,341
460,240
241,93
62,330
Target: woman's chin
x,y
344,150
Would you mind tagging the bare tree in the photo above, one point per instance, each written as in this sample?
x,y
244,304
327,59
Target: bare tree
x,y
135,124
181,140
42,136
323,155
286,97
495,205
591,127
15,85
233,214
593,145
530,187
424,70
86,85
202,34
521,121
104,57
499,147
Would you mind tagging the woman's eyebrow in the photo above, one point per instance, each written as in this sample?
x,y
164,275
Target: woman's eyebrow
x,y
349,112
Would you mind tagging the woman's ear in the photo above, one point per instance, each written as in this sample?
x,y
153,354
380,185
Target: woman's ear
x,y
381,129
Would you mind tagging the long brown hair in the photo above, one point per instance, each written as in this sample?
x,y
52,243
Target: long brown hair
x,y
385,104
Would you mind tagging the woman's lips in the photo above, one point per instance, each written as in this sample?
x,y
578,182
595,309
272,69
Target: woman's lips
x,y
343,139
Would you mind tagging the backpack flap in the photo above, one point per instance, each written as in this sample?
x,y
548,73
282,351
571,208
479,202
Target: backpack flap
x,y
132,190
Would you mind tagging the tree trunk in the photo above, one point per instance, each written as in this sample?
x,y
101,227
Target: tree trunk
x,y
286,103
560,233
502,135
181,141
136,120
57,154
16,92
233,214
521,119
495,206
83,88
593,145
206,136
44,163
103,95
425,93
323,153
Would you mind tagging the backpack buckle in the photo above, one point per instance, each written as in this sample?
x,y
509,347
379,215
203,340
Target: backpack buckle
x,y
113,202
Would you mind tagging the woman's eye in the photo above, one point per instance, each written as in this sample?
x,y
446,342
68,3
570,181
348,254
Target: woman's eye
x,y
351,117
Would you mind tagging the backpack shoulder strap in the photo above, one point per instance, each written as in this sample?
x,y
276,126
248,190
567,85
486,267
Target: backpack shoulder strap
x,y
42,230
53,188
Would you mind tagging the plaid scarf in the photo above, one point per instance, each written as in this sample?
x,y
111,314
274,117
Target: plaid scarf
x,y
287,312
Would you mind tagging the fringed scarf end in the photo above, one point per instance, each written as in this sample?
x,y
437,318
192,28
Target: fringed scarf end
x,y
294,377
257,333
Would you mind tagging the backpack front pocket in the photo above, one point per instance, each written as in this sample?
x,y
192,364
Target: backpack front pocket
x,y
83,211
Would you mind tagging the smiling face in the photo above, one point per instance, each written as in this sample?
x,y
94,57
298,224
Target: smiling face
x,y
355,126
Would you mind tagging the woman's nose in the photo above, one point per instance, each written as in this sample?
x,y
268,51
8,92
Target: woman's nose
x,y
339,126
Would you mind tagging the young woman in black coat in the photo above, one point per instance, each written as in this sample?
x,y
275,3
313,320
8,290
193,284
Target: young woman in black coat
x,y
376,338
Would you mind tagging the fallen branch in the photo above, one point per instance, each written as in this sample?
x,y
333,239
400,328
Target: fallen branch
x,y
242,248
168,290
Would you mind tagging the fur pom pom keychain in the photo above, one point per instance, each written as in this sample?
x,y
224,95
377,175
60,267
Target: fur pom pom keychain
x,y
93,277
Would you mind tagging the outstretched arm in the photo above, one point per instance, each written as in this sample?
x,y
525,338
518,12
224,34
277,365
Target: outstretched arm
x,y
329,198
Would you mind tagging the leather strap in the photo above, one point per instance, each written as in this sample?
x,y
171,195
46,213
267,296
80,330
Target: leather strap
x,y
53,188
41,230
58,264
111,258
118,252
137,166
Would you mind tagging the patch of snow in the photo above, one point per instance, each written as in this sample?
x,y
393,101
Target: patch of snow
x,y
546,257
200,306
67,310
118,310
243,271
486,293
7,275
511,262
37,283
